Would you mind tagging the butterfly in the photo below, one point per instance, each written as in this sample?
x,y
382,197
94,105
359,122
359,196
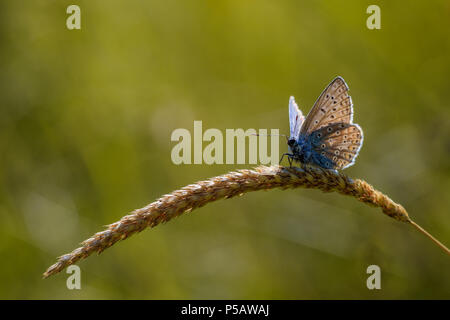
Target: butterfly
x,y
326,137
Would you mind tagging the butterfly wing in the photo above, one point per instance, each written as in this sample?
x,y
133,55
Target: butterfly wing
x,y
339,143
296,119
334,105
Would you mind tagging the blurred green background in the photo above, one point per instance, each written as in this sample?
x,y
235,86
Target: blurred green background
x,y
86,118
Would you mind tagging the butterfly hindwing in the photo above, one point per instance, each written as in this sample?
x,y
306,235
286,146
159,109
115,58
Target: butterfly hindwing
x,y
339,143
334,105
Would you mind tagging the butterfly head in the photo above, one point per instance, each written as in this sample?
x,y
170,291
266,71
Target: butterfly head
x,y
291,142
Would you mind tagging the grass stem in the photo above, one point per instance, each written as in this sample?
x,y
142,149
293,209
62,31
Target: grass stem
x,y
227,186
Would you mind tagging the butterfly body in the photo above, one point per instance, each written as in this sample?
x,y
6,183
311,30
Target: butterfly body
x,y
301,149
326,137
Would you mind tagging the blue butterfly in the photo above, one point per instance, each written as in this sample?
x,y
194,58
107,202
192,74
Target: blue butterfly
x,y
326,137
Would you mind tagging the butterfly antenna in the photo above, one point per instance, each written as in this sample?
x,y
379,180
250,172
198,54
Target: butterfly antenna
x,y
257,134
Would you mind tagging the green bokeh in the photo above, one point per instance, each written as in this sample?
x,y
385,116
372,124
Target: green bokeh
x,y
86,118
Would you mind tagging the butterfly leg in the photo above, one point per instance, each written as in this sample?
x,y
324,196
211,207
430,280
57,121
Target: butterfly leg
x,y
289,158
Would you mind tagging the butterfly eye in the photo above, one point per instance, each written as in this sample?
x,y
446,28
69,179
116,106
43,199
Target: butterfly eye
x,y
291,142
332,116
345,137
338,132
334,158
327,96
323,146
329,129
332,98
336,152
334,109
322,153
319,135
316,122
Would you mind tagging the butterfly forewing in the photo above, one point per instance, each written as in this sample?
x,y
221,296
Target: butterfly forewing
x,y
334,105
296,119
